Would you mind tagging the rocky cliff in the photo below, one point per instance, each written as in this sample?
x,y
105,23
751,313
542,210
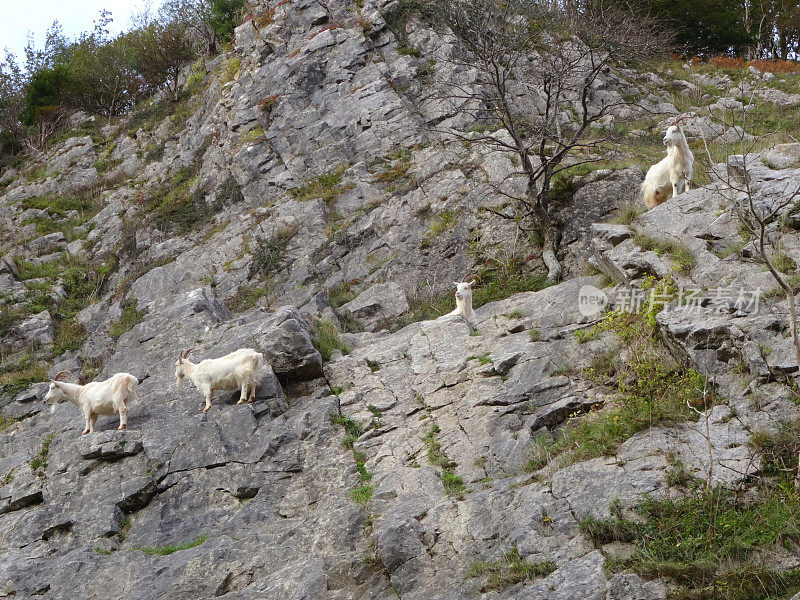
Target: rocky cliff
x,y
299,201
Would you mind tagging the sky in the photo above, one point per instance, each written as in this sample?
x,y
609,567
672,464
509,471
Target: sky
x,y
18,18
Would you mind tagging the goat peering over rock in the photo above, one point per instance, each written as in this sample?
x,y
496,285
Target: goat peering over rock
x,y
672,172
239,369
464,300
96,398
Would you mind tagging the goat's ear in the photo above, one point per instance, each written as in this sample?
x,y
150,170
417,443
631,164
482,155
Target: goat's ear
x,y
455,283
471,283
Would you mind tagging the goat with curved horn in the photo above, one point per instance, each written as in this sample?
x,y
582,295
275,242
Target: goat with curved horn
x,y
66,374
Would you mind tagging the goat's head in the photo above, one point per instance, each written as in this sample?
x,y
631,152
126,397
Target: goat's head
x,y
673,135
56,394
464,290
180,366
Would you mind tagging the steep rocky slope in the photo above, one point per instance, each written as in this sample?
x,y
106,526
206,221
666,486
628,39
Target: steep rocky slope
x,y
300,180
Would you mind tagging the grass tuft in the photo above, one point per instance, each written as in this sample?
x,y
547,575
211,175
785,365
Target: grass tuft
x,y
171,548
508,571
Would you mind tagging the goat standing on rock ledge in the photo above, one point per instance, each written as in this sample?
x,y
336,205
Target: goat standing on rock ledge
x,y
97,398
672,172
239,369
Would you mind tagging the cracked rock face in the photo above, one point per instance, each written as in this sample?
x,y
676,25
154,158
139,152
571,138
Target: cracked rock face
x,y
395,466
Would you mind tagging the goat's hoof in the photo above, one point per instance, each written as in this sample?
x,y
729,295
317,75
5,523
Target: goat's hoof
x,y
250,401
121,427
206,409
240,402
85,432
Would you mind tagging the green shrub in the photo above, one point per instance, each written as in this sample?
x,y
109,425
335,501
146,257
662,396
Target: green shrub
x,y
268,254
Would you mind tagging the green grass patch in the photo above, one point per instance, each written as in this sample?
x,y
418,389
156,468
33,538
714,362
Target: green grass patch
x,y
172,548
453,484
626,216
229,70
650,390
341,293
440,223
173,207
361,495
710,543
326,186
246,298
268,254
19,376
326,339
69,335
505,280
58,206
39,461
679,253
782,261
508,571
129,318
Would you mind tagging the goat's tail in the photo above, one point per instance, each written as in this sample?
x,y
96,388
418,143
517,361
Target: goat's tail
x,y
129,387
650,199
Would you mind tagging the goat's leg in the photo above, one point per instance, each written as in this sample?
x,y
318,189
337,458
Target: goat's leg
x,y
92,421
252,397
243,397
208,393
123,417
87,429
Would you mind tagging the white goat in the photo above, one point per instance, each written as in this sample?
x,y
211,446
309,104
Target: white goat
x,y
239,369
464,300
671,172
96,398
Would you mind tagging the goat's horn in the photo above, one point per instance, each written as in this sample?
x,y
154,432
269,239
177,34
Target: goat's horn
x,y
186,353
683,118
66,374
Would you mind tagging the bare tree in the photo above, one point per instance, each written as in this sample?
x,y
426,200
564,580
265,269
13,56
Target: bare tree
x,y
534,68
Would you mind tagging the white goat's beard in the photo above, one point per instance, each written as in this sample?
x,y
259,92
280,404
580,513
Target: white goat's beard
x,y
52,408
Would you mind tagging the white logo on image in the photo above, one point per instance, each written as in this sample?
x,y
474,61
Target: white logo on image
x,y
591,300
